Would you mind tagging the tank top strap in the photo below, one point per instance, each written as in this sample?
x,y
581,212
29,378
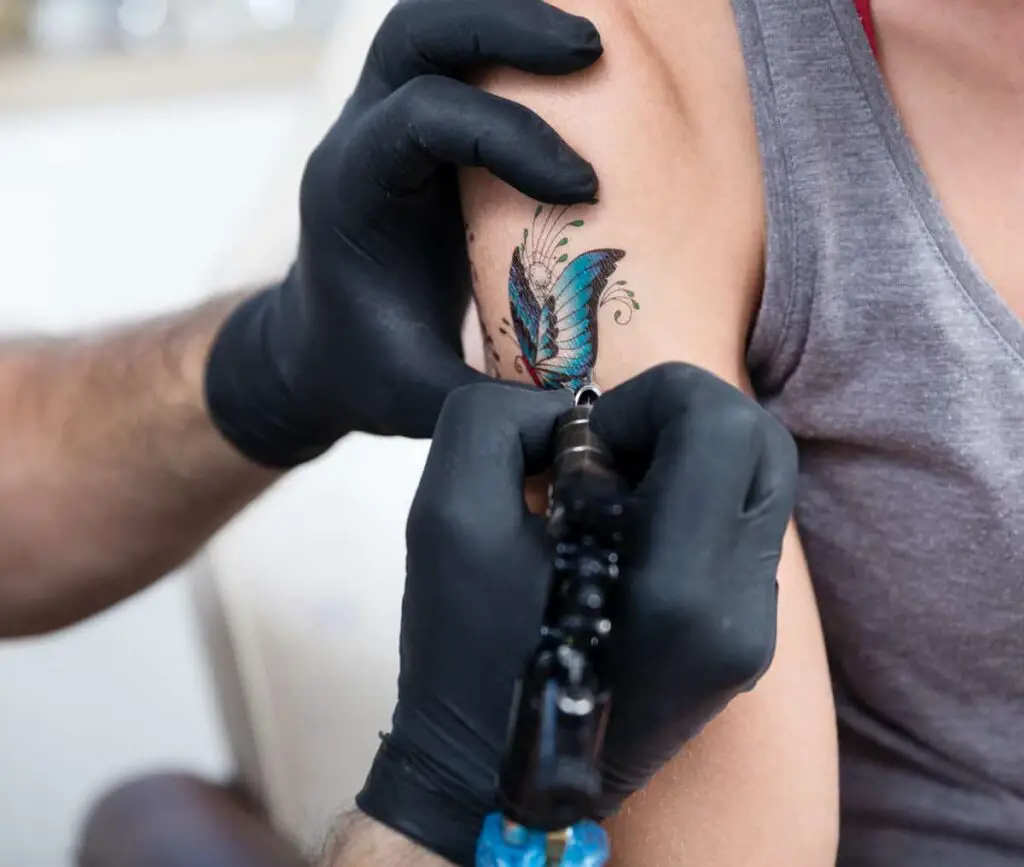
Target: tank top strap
x,y
823,157
866,18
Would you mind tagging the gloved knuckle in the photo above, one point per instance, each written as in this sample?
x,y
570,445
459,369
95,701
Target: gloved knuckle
x,y
526,121
697,605
670,390
415,93
457,408
314,193
395,27
675,606
436,519
737,639
735,420
444,522
398,112
742,655
475,404
690,389
735,645
421,107
450,526
673,379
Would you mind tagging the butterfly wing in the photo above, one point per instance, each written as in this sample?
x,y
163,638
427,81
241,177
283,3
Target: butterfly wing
x,y
526,311
567,336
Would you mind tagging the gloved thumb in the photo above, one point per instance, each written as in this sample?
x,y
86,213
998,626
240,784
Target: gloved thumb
x,y
446,373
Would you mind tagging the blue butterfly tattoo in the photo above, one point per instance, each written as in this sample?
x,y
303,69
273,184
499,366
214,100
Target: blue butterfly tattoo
x,y
554,302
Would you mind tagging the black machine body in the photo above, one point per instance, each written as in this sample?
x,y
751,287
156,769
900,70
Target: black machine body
x,y
551,773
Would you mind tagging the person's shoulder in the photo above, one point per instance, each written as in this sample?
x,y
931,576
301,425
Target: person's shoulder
x,y
695,41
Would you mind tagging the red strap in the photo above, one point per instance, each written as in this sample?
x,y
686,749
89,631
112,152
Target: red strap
x,y
864,11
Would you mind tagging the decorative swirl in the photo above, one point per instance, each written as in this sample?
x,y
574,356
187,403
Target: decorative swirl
x,y
618,294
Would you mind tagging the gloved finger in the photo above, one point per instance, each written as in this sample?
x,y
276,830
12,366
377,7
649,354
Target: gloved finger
x,y
632,416
706,445
434,120
438,373
488,438
771,495
776,475
424,38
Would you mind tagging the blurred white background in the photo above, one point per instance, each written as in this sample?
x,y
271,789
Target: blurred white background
x,y
128,179
106,212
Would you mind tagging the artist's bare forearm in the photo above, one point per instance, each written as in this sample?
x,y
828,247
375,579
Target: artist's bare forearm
x,y
111,473
359,841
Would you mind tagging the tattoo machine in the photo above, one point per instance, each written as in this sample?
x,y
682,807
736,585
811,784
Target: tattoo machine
x,y
551,771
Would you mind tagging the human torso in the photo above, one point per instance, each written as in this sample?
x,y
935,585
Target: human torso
x,y
889,340
955,72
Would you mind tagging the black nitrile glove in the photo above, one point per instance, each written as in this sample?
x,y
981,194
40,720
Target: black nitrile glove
x,y
364,333
478,566
696,613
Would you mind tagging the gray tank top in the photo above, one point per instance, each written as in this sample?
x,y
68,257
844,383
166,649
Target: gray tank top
x,y
899,369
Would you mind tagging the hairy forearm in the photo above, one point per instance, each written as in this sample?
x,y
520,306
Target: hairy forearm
x,y
111,472
359,841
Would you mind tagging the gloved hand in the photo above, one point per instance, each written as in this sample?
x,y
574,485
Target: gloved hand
x,y
364,333
698,608
476,587
695,621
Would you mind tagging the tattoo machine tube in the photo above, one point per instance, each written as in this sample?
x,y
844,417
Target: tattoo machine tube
x,y
551,777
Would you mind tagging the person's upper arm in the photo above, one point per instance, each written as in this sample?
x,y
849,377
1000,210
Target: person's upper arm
x,y
665,117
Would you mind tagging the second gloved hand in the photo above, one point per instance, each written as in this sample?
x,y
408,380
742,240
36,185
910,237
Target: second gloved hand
x,y
365,332
695,613
696,623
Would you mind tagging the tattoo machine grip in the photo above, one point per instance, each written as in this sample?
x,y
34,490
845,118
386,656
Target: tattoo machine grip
x,y
551,776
